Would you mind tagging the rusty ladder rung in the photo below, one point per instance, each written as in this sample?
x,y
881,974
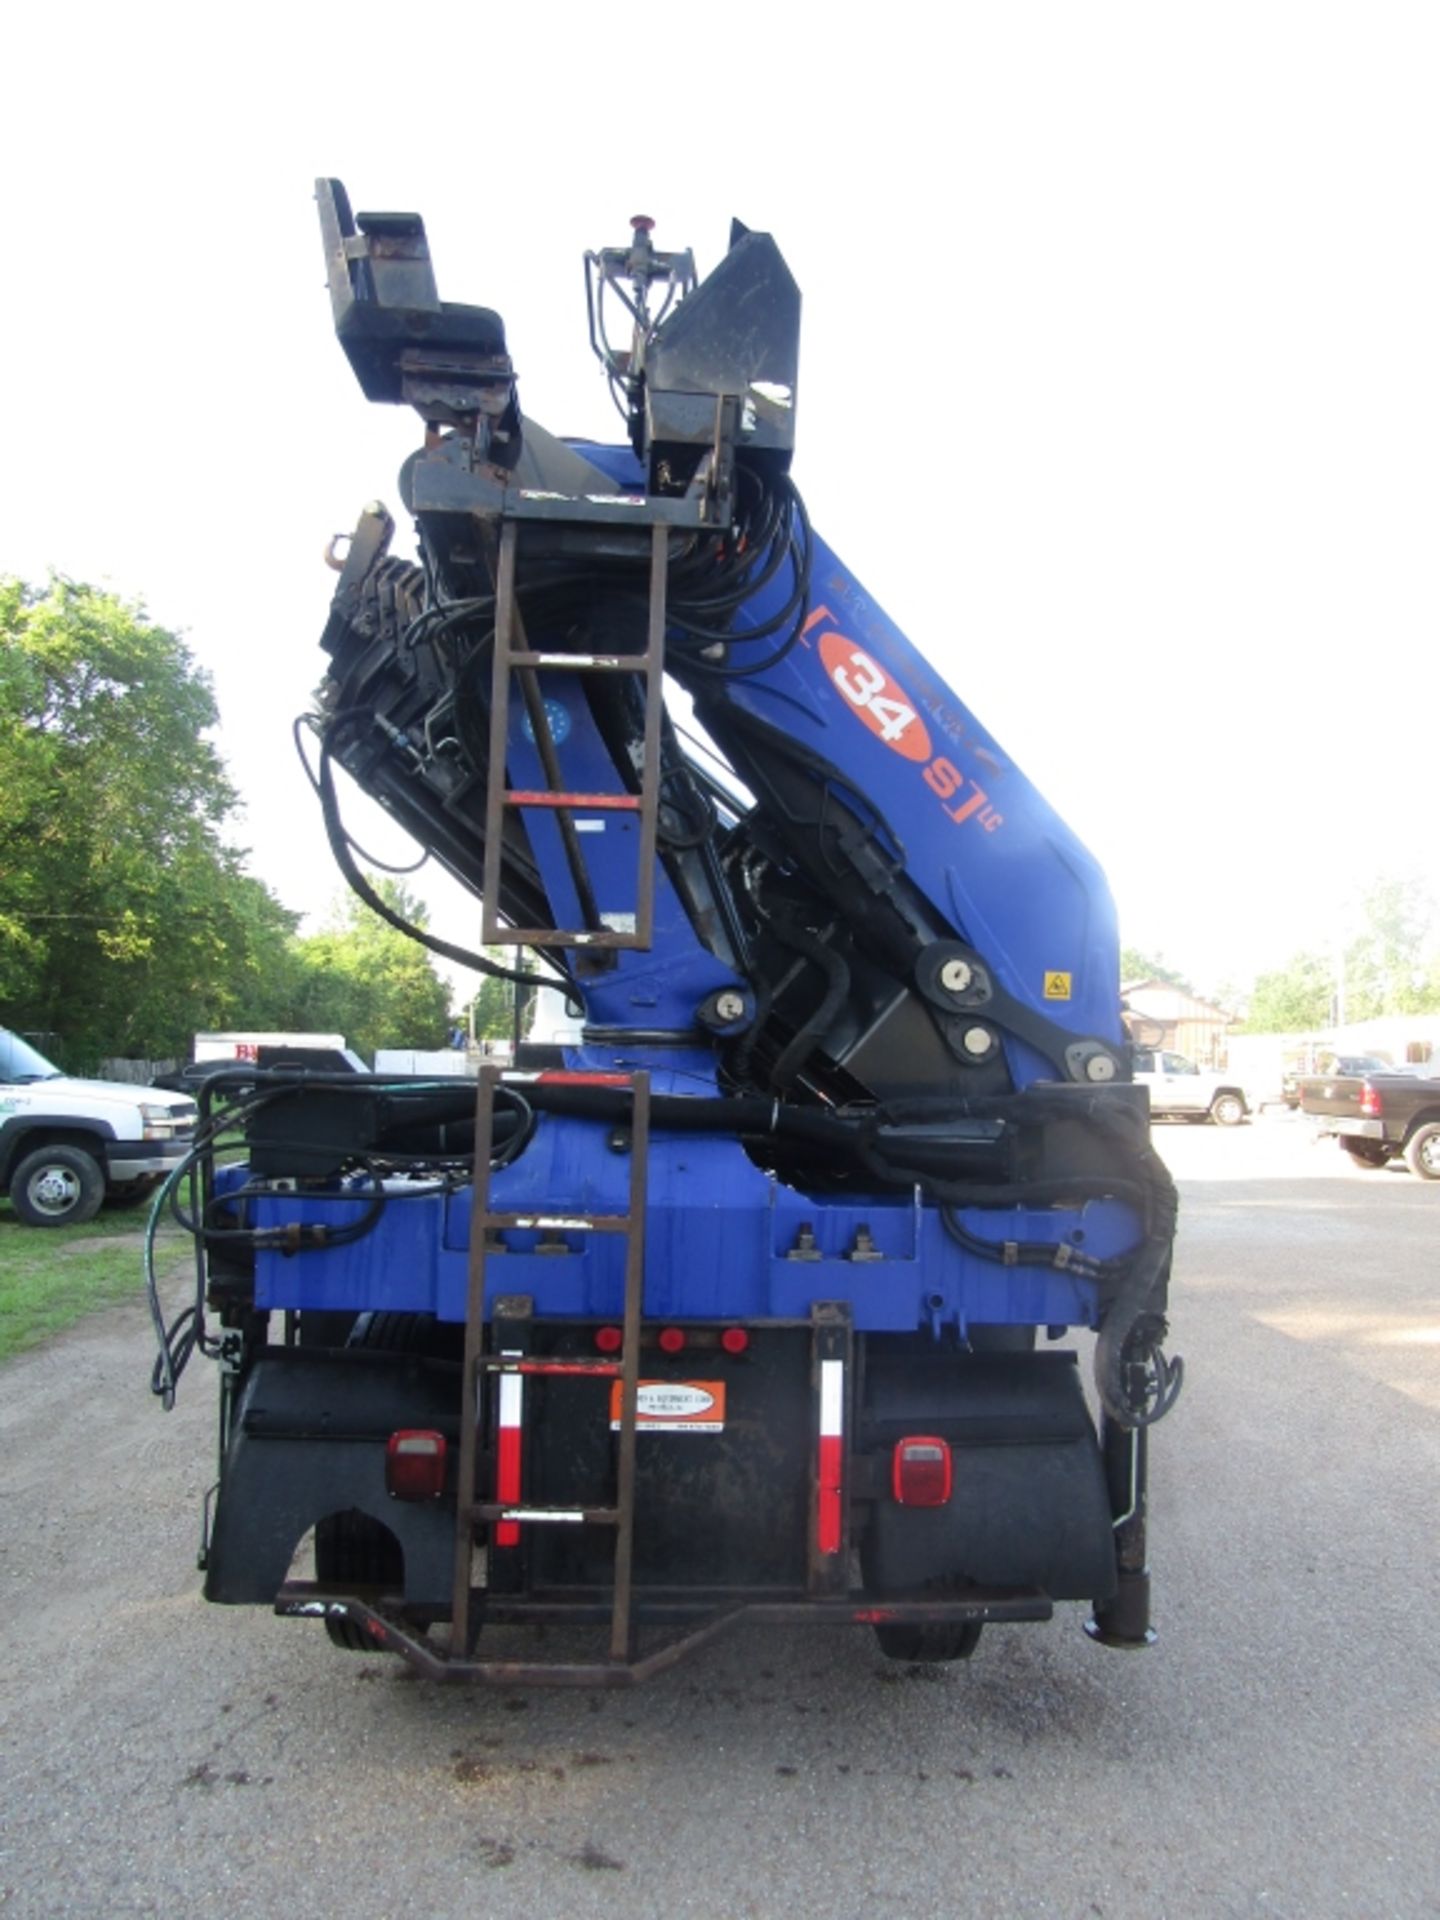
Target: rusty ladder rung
x,y
582,662
579,1366
559,1222
586,802
564,1516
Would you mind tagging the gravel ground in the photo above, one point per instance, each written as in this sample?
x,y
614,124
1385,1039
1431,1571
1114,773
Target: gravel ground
x,y
1275,1755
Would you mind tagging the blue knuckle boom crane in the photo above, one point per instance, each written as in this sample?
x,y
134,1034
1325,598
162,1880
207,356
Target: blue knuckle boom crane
x,y
765,1294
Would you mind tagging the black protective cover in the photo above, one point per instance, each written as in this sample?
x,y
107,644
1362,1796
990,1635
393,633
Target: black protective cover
x,y
309,1440
1029,1506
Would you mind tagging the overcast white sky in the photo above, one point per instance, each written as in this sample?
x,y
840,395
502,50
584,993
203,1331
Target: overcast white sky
x,y
1120,370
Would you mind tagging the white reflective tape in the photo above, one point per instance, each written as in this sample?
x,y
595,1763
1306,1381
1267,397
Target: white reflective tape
x,y
832,1399
512,1399
548,1513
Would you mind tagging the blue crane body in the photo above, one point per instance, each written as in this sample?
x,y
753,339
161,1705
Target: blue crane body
x,y
753,1298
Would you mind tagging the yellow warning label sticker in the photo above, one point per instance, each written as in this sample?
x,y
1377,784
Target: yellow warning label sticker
x,y
1057,986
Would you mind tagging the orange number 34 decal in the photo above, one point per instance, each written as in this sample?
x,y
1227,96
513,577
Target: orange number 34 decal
x,y
877,700
880,702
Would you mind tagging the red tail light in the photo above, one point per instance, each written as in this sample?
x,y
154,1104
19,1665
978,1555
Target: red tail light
x,y
671,1340
735,1340
1370,1102
609,1339
415,1465
921,1471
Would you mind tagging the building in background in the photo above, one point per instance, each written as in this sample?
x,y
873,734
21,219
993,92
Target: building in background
x,y
1160,1014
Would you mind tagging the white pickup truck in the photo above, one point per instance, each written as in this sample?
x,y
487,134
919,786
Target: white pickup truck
x,y
66,1145
1180,1089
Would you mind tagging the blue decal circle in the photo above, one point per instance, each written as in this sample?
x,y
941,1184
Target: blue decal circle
x,y
558,714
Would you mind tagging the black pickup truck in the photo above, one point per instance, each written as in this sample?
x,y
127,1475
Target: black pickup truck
x,y
1378,1117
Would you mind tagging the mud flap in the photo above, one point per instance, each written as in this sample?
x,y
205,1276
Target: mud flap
x,y
308,1439
1029,1506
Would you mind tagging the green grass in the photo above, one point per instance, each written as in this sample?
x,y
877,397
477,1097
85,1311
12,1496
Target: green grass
x,y
50,1277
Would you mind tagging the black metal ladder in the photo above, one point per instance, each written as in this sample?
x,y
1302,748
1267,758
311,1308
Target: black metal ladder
x,y
482,1365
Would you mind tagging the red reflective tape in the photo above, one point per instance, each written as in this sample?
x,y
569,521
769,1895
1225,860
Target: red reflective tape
x,y
587,802
563,1077
831,1477
593,1369
507,1456
832,1463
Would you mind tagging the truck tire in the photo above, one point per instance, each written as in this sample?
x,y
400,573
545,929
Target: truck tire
x,y
57,1187
326,1329
1422,1151
1002,1339
927,1646
1227,1109
1366,1153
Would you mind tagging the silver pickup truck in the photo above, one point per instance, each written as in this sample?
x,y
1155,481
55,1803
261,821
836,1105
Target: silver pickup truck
x,y
1181,1090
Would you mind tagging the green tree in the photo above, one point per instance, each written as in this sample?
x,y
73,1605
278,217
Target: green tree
x,y
1296,998
126,921
493,1010
1135,965
1385,962
1386,966
364,978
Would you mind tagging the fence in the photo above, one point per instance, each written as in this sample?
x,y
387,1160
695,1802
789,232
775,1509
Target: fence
x,y
136,1073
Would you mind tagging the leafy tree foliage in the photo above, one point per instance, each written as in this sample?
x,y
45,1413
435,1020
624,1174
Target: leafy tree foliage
x,y
365,979
493,1009
1385,967
1292,999
1135,966
1390,965
126,922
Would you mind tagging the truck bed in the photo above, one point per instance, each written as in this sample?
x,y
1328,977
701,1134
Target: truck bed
x,y
1337,1096
1379,1117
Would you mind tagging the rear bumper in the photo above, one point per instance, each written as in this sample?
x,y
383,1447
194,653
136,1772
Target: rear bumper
x,y
705,1619
1355,1129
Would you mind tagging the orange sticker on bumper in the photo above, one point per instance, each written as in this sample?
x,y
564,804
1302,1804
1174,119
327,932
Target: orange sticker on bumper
x,y
674,1406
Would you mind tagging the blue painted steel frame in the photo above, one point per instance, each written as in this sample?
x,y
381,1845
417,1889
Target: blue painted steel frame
x,y
999,869
719,1236
997,864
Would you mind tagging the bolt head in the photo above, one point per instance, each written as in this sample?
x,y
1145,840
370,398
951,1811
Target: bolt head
x,y
956,975
729,1006
978,1040
1099,1067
